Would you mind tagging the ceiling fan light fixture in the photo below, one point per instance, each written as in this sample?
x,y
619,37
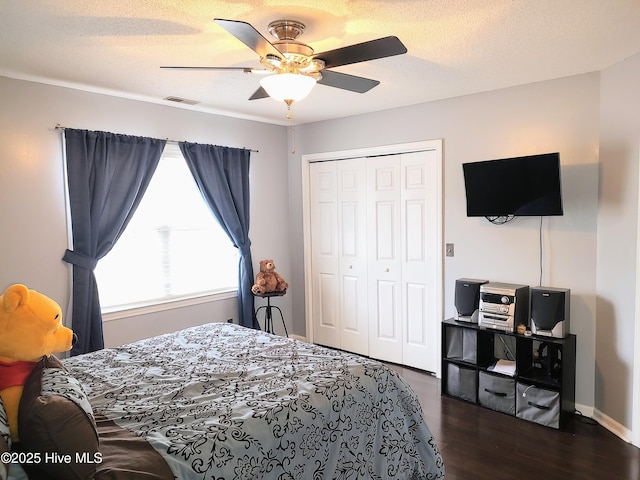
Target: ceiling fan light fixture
x,y
288,86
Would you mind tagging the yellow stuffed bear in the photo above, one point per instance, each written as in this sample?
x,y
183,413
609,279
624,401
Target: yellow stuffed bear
x,y
30,328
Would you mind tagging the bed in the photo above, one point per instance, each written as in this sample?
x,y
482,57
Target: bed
x,y
220,401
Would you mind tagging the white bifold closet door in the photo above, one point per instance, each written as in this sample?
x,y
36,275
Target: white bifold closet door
x,y
372,254
339,255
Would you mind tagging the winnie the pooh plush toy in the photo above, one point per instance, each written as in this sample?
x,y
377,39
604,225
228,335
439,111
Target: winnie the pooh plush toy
x,y
268,280
30,328
43,408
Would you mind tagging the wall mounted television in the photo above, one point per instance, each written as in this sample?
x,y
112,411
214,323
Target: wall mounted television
x,y
512,187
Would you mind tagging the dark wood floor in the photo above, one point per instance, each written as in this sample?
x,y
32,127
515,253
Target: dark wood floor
x,y
479,444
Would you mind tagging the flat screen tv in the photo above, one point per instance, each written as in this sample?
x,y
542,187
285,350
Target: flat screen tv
x,y
519,186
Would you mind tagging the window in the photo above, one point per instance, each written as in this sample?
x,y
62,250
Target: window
x,y
173,247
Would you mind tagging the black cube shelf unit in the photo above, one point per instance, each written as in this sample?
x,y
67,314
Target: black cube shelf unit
x,y
538,384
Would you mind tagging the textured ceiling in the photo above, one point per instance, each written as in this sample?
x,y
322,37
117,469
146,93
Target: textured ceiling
x,y
455,47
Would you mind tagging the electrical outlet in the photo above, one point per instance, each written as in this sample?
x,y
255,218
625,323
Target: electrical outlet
x,y
449,250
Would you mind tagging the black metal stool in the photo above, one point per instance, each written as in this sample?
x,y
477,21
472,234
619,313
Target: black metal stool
x,y
268,312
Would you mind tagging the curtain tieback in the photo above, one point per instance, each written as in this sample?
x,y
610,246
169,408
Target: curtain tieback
x,y
244,250
80,260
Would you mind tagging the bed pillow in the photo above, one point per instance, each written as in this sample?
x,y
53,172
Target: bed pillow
x,y
55,420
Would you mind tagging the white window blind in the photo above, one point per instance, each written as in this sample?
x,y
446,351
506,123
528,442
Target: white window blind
x,y
173,248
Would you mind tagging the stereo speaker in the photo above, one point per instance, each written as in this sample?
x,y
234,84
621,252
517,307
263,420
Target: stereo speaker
x,y
550,311
467,299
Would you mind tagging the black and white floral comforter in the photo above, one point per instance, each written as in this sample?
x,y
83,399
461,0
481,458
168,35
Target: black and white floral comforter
x,y
222,401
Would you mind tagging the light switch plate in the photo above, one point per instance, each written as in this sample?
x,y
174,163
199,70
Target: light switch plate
x,y
449,250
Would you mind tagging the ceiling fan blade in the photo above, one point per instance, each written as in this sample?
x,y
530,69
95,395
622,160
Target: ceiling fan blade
x,y
347,82
243,69
258,94
362,52
249,36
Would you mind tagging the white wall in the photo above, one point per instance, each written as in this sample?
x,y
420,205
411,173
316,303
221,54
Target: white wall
x,y
617,311
560,115
33,218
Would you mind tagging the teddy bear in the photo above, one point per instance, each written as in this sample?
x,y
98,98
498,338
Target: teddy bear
x,y
268,280
30,329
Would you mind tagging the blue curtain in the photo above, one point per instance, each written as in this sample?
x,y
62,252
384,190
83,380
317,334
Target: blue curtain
x,y
222,175
107,176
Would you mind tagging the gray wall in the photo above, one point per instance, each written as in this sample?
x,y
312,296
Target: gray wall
x,y
560,115
617,264
591,249
33,217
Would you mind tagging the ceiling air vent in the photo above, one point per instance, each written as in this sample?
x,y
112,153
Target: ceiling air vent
x,y
181,100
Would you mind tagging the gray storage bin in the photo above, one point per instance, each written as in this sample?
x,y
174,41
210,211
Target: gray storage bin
x,y
538,405
462,382
497,393
460,344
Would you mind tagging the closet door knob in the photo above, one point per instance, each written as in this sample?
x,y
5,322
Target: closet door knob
x,y
386,269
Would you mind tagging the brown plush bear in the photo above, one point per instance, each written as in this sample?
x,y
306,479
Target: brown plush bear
x,y
268,280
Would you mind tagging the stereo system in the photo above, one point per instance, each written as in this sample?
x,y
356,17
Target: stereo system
x,y
504,306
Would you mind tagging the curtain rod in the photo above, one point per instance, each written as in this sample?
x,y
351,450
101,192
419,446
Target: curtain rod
x,y
175,142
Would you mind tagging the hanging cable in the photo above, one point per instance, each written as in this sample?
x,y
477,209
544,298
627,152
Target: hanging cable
x,y
540,240
500,219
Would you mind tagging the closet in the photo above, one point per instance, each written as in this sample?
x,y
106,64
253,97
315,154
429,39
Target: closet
x,y
375,256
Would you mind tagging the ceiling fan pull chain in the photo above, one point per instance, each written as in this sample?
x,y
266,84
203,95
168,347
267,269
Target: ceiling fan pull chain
x,y
293,127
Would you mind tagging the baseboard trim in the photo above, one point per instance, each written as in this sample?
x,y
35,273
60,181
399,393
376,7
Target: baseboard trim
x,y
609,423
584,410
298,337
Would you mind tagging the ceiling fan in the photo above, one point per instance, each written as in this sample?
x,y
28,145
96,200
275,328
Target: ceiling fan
x,y
293,68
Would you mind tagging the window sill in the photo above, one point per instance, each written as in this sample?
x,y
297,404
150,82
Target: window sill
x,y
164,305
